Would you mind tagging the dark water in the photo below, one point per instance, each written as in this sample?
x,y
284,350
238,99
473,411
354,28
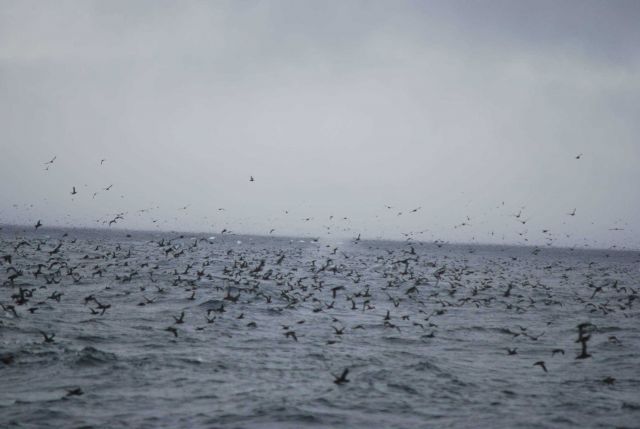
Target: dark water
x,y
440,360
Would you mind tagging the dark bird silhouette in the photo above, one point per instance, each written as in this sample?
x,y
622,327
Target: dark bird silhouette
x,y
55,295
10,308
49,163
38,224
336,289
343,378
55,249
73,191
583,338
541,365
115,219
554,351
251,179
512,351
583,352
179,319
173,330
291,334
103,307
74,392
48,338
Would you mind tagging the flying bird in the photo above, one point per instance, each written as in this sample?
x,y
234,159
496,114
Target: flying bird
x,y
541,365
343,378
291,334
115,219
74,392
179,319
49,163
47,338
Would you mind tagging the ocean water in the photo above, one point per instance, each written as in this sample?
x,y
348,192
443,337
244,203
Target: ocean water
x,y
256,336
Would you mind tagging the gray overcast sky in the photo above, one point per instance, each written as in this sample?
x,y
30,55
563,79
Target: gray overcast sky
x,y
339,108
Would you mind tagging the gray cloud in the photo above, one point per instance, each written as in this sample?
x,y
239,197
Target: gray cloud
x,y
336,108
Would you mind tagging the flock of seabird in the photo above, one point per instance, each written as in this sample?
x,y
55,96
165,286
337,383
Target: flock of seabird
x,y
41,270
548,236
413,294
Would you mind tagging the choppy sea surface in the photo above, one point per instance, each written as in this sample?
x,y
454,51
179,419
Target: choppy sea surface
x,y
194,331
